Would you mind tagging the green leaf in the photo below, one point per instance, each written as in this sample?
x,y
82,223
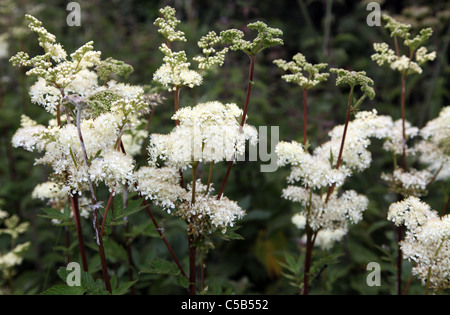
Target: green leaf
x,y
161,266
88,284
123,288
56,214
64,290
114,252
230,234
132,207
183,281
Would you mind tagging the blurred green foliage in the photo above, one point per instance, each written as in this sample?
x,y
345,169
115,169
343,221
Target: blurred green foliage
x,y
328,31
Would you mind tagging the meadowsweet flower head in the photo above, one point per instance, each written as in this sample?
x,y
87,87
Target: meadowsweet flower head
x,y
48,191
303,73
408,183
208,132
27,136
210,57
45,95
412,213
133,141
396,28
12,259
113,168
394,139
405,64
325,239
427,241
160,185
106,68
354,78
175,71
299,221
167,25
208,214
267,37
337,213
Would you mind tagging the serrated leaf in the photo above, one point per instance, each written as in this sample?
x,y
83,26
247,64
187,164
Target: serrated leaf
x,y
123,288
183,281
161,266
230,234
132,207
56,214
64,290
114,252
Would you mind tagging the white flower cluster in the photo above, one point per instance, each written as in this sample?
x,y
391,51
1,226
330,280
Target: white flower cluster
x,y
317,170
167,25
394,139
208,132
133,141
298,67
211,56
175,72
410,183
208,214
48,191
160,185
325,238
337,213
402,63
105,113
27,136
14,257
427,241
204,216
434,150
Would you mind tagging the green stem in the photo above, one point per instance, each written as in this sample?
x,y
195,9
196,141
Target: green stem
x,y
427,287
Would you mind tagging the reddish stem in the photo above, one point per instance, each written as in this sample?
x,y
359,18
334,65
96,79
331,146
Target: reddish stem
x,y
192,275
446,207
341,150
402,104
101,250
177,262
106,213
244,115
305,114
76,216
